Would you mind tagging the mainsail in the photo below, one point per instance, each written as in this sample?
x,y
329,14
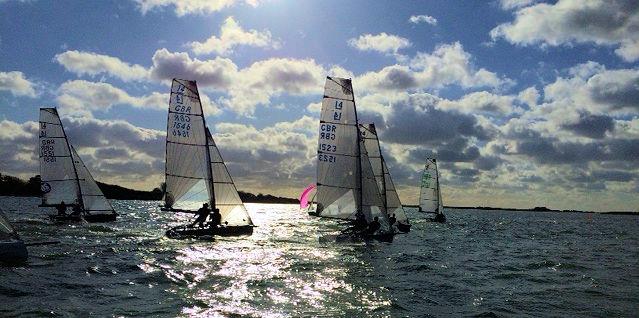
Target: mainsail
x,y
430,198
59,179
195,172
6,230
384,181
64,177
346,184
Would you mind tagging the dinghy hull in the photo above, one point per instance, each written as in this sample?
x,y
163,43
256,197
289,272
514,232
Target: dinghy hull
x,y
181,232
100,218
13,252
65,218
404,228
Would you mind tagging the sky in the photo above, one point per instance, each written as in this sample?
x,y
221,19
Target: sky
x,y
524,103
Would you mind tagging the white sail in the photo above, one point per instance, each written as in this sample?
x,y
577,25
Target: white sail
x,y
382,175
227,200
57,172
93,199
430,196
338,166
187,179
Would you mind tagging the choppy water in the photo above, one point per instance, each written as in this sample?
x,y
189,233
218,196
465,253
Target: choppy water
x,y
480,263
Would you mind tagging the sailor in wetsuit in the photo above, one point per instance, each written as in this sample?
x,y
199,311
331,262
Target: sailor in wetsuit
x,y
202,215
216,218
392,219
373,226
62,209
358,225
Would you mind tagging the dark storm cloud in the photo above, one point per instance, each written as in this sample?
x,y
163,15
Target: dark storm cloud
x,y
398,79
613,175
592,126
416,121
531,179
488,162
127,168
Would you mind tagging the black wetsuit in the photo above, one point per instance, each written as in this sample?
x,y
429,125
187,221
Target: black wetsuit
x,y
216,218
202,215
373,227
62,209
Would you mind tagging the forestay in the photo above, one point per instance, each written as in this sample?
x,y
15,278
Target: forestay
x,y
227,199
93,199
430,196
188,183
338,166
59,180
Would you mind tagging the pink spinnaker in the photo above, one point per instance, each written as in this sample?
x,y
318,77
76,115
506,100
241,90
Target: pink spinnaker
x,y
304,196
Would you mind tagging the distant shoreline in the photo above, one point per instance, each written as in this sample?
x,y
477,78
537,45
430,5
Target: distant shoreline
x,y
535,209
16,187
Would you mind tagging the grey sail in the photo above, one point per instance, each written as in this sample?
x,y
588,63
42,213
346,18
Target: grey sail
x,y
59,179
384,180
93,200
227,199
188,179
430,194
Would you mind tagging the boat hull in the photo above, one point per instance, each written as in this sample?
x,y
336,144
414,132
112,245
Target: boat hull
x,y
100,218
404,228
65,218
13,252
181,232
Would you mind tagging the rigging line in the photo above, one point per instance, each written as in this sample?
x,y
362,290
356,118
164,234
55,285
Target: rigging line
x,y
342,86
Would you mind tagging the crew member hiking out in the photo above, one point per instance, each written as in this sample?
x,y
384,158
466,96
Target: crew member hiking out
x,y
202,215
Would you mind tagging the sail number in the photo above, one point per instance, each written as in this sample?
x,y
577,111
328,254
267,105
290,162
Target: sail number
x,y
327,131
326,158
327,147
181,125
47,150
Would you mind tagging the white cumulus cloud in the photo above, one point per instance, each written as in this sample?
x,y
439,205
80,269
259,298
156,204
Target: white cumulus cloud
x,y
184,7
232,35
422,18
383,42
92,64
17,84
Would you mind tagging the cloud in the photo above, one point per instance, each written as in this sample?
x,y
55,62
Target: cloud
x,y
232,35
184,7
383,43
82,98
572,21
92,64
448,64
515,4
417,19
481,102
17,84
217,73
591,126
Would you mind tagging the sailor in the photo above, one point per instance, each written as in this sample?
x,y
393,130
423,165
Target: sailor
x,y
216,218
373,226
358,225
62,209
439,217
202,215
76,210
392,219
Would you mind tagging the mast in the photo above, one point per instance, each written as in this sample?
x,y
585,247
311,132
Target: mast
x,y
381,159
209,175
75,170
359,154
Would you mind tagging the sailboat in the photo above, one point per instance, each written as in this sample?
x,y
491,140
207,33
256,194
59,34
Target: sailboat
x,y
195,172
346,184
430,196
390,198
12,249
64,176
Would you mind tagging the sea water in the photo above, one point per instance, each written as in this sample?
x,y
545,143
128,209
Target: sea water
x,y
480,263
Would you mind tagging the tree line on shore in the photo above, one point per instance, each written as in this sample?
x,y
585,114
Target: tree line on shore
x,y
14,186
